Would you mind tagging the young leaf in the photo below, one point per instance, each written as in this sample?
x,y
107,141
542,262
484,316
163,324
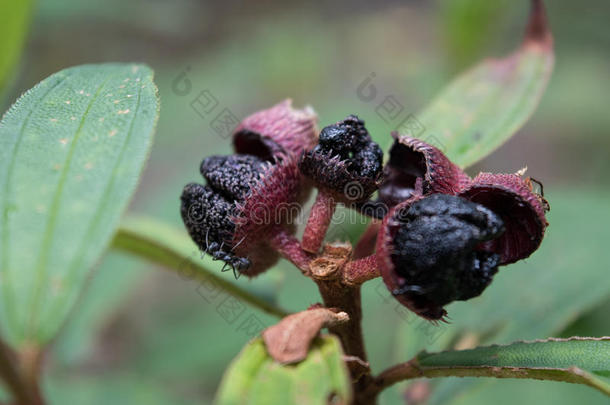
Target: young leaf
x,y
486,105
255,378
14,21
574,360
71,151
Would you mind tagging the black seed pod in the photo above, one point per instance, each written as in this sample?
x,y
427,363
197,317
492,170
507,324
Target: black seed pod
x,y
208,211
431,252
345,161
233,176
234,216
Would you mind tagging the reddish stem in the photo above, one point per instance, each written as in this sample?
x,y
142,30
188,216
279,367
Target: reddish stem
x,y
346,299
20,371
11,376
318,222
290,248
391,376
358,271
31,364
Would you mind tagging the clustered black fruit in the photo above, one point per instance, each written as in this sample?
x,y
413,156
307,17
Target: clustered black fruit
x,y
345,153
437,250
443,234
207,211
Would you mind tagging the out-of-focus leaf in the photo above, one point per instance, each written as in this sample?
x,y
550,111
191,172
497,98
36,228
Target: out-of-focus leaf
x,y
486,105
592,323
190,307
468,27
510,392
165,245
104,295
104,389
574,360
71,152
14,21
254,378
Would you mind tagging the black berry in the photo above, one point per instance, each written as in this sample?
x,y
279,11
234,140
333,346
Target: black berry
x,y
438,253
345,154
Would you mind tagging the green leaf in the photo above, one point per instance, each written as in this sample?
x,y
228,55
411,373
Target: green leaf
x,y
574,360
469,26
162,244
71,152
14,21
105,296
512,391
103,388
485,106
254,378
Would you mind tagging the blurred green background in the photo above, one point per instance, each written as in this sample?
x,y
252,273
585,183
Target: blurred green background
x,y
142,335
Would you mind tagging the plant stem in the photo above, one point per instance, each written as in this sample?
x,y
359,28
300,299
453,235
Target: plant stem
x,y
328,270
290,248
358,271
346,299
391,376
319,219
31,364
11,377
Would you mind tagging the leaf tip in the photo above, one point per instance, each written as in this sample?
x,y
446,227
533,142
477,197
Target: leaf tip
x,y
538,31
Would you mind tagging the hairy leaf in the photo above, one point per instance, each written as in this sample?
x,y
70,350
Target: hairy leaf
x,y
71,152
574,360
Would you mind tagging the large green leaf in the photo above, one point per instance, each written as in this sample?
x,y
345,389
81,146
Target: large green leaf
x,y
71,152
255,378
103,299
14,19
575,360
486,105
